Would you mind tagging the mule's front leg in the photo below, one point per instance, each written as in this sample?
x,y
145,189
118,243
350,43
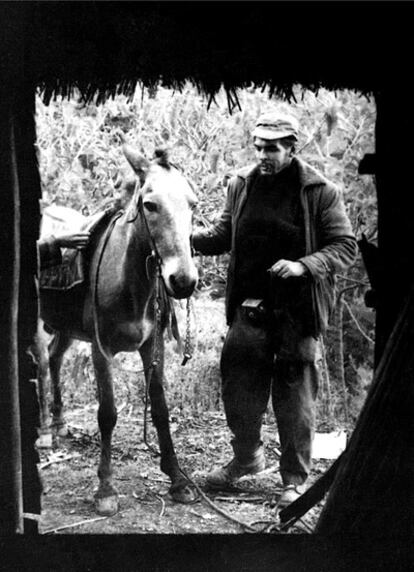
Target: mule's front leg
x,y
106,498
180,489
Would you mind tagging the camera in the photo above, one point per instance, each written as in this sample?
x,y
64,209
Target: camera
x,y
254,309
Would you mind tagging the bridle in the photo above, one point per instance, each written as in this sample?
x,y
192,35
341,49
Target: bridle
x,y
161,288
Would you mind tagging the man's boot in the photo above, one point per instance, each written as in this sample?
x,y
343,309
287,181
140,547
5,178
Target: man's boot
x,y
244,462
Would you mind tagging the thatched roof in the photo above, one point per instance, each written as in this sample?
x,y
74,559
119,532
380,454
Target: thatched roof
x,y
105,48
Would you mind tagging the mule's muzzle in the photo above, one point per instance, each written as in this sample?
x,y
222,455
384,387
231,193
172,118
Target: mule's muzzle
x,y
181,285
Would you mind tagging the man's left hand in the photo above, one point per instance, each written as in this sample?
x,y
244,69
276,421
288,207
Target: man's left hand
x,y
287,269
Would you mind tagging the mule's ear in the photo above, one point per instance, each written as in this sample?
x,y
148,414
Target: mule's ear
x,y
137,162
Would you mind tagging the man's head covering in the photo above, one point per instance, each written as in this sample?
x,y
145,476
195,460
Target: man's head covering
x,y
276,125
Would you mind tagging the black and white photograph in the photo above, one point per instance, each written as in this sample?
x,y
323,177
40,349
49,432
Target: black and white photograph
x,y
206,281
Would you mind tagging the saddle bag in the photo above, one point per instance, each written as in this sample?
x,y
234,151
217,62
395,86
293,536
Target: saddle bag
x,y
71,271
66,275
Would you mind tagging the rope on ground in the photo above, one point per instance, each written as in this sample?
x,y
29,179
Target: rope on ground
x,y
162,505
219,510
270,526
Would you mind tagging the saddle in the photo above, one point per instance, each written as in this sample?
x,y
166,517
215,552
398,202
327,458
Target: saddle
x,y
71,271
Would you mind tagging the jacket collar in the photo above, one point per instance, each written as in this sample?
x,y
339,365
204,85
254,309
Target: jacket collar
x,y
248,172
308,175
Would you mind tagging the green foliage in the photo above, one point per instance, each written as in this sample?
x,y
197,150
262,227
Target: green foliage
x,y
80,157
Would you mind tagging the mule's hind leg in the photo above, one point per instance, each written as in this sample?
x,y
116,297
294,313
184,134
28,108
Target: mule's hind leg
x,y
180,489
106,498
57,348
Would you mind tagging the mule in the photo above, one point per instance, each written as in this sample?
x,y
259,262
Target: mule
x,y
134,263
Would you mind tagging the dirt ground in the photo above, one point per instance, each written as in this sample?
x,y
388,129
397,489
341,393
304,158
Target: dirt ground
x,y
68,471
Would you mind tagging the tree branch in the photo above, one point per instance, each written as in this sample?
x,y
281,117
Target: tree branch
x,y
357,323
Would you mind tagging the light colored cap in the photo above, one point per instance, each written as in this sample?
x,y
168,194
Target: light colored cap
x,y
275,125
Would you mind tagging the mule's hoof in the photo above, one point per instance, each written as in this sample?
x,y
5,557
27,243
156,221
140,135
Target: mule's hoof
x,y
106,506
44,441
184,494
61,430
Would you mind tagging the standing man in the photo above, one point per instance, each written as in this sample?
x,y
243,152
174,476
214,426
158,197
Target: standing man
x,y
286,228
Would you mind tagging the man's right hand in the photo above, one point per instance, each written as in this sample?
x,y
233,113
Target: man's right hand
x,y
287,269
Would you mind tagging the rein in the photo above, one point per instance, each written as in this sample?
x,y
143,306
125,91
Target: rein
x,y
160,284
160,294
104,242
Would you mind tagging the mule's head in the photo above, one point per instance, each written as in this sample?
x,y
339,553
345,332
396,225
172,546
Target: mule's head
x,y
167,202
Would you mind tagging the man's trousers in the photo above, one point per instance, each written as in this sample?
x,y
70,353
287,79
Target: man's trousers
x,y
274,358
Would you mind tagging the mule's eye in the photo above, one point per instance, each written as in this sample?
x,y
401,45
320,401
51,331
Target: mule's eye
x,y
151,206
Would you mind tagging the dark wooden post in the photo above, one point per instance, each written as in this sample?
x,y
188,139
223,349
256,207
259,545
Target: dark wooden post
x,y
373,489
11,500
30,192
394,135
19,223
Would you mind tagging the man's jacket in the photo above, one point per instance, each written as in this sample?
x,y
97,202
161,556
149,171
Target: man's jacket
x,y
330,243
